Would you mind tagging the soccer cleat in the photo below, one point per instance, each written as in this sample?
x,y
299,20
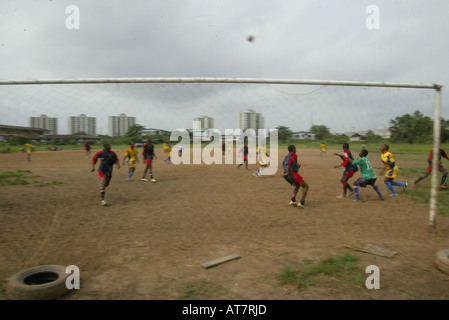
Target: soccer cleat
x,y
355,200
143,179
153,180
299,205
405,187
393,194
104,203
341,197
443,186
293,203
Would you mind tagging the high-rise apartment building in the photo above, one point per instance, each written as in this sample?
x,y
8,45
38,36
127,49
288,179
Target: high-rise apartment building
x,y
83,123
44,122
203,122
250,119
119,125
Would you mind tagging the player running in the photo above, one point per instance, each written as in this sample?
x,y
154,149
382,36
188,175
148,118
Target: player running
x,y
108,158
28,148
263,160
368,175
442,169
349,170
131,159
391,170
244,152
292,176
148,155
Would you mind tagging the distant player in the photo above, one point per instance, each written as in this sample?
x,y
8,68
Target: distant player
x,y
262,158
107,160
322,149
391,170
28,148
131,159
87,149
442,169
167,149
368,175
292,176
244,152
349,170
148,155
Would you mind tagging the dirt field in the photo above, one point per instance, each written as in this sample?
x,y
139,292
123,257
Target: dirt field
x,y
152,240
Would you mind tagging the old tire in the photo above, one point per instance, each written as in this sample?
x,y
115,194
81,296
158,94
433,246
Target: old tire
x,y
46,282
442,260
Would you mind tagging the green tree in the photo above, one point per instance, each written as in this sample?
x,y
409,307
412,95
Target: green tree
x,y
135,132
321,132
412,128
284,133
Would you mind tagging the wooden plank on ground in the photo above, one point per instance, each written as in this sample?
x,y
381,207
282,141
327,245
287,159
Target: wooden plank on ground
x,y
376,250
216,262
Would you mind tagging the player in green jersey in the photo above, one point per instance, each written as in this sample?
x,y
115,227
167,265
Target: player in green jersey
x,y
368,175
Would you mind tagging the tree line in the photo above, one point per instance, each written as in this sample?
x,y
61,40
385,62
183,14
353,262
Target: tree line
x,y
408,128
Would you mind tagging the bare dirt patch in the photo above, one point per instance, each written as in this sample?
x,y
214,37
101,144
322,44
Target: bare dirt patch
x,y
151,241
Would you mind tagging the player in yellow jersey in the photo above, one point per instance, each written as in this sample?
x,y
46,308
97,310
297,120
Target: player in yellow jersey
x,y
391,170
131,159
262,158
28,147
322,149
167,149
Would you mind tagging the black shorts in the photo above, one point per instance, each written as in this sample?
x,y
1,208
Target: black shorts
x,y
363,183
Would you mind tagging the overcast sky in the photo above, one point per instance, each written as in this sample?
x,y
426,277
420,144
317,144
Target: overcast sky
x,y
309,39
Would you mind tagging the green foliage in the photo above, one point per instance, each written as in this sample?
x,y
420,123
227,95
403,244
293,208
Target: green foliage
x,y
343,266
17,140
415,128
284,133
321,132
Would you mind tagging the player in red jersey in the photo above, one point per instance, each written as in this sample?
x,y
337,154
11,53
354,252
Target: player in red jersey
x,y
349,171
107,160
442,169
291,175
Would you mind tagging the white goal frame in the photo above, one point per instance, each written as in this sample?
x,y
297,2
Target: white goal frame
x,y
436,122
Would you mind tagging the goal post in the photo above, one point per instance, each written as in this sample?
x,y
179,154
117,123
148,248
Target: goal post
x,y
260,81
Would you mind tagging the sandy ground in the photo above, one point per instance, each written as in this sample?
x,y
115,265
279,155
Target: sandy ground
x,y
152,240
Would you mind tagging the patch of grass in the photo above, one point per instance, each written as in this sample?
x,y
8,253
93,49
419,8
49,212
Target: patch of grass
x,y
44,184
13,177
202,290
343,266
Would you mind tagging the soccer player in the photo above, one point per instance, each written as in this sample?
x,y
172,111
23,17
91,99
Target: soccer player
x,y
349,170
391,170
148,155
28,147
167,149
368,175
108,158
262,157
322,149
442,169
292,176
244,151
131,159
87,148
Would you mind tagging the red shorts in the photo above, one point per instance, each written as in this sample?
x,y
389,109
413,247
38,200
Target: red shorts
x,y
350,173
299,180
148,162
245,158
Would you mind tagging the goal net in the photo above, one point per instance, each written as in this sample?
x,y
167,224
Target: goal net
x,y
281,112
